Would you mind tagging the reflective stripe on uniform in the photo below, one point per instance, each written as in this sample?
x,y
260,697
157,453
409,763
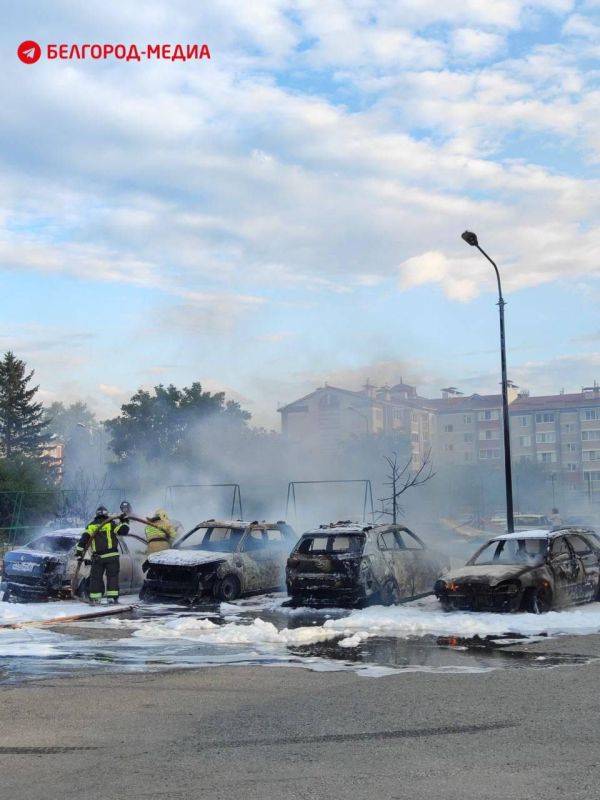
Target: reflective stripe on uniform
x,y
112,593
109,555
95,595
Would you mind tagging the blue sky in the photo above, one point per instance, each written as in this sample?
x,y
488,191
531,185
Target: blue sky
x,y
290,212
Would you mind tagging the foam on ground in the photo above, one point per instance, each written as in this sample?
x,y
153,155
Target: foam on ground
x,y
405,621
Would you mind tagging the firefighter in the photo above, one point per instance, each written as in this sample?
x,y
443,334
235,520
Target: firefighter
x,y
122,528
161,533
101,538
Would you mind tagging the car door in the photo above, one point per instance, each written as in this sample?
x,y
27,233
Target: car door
x,y
398,562
125,568
566,569
424,570
259,565
587,587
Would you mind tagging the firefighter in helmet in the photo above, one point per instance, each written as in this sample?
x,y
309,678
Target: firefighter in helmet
x,y
101,537
161,532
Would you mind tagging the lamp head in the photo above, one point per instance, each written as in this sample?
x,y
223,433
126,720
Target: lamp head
x,y
470,238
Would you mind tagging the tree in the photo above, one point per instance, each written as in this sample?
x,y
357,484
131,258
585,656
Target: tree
x,y
401,479
23,429
84,439
69,422
169,424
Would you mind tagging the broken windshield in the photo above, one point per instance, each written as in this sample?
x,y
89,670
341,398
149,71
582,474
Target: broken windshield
x,y
526,552
332,544
52,544
221,540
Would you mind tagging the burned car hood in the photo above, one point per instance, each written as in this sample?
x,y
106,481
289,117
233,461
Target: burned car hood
x,y
487,574
31,562
186,558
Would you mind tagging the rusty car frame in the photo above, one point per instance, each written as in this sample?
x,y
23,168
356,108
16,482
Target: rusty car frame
x,y
347,564
535,571
220,560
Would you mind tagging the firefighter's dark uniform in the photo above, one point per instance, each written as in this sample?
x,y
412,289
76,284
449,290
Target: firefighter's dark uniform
x,y
102,539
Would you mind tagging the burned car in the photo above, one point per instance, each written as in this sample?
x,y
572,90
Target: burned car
x,y
220,559
526,571
352,565
522,522
44,568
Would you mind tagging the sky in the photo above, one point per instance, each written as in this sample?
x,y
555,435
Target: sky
x,y
289,212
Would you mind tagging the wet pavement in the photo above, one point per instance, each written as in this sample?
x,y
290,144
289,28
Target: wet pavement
x,y
260,632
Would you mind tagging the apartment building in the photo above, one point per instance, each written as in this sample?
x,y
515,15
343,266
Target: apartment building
x,y
324,419
561,431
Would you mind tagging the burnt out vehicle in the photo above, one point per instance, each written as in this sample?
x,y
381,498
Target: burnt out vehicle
x,y
531,571
346,564
44,568
220,560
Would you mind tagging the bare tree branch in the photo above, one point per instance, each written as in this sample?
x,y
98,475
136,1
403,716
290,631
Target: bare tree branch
x,y
401,479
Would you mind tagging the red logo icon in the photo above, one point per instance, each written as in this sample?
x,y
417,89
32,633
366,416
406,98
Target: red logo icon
x,y
29,52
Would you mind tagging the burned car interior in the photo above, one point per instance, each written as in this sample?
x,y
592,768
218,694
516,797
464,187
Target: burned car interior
x,y
220,559
348,564
532,571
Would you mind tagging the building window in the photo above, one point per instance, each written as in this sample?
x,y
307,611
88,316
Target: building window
x,y
590,455
590,414
569,427
545,438
487,454
489,414
524,422
571,467
524,441
414,437
524,459
487,435
468,437
448,428
590,436
448,447
571,447
545,416
467,419
548,457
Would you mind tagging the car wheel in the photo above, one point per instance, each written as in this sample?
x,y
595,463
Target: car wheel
x,y
228,588
83,590
389,593
146,595
538,601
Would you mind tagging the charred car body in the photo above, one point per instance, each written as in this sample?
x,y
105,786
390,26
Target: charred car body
x,y
351,565
220,559
44,568
527,571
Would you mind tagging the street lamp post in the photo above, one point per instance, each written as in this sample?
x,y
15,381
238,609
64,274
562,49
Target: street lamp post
x,y
471,239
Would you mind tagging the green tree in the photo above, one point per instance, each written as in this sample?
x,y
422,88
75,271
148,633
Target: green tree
x,y
67,422
168,424
23,429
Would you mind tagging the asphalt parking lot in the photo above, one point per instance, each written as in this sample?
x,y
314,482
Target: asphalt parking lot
x,y
281,732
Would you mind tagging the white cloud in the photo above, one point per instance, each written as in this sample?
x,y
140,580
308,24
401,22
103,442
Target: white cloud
x,y
581,25
456,276
476,45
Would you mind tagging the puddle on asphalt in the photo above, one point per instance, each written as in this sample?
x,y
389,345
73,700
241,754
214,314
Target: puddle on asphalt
x,y
149,639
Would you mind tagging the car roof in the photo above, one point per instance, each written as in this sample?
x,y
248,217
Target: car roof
x,y
542,533
336,527
239,523
74,532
